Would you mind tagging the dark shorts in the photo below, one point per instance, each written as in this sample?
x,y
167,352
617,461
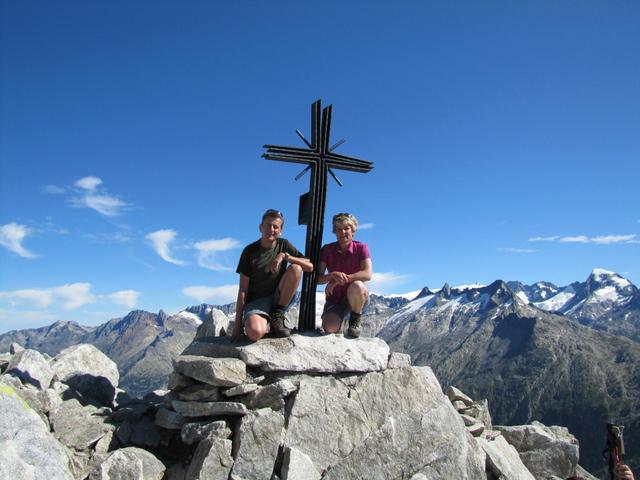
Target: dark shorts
x,y
261,306
341,309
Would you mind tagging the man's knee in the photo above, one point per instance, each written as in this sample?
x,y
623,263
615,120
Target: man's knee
x,y
358,287
255,328
296,271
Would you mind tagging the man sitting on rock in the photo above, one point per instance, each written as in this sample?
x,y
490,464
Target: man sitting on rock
x,y
267,285
349,265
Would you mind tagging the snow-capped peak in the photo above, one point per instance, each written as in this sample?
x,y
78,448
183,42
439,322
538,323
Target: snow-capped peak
x,y
189,316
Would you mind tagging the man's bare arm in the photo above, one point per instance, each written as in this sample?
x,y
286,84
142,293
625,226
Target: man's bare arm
x,y
243,287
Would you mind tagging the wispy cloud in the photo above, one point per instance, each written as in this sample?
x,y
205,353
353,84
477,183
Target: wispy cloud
x,y
125,298
544,239
366,226
89,195
53,189
217,295
381,282
208,252
70,296
599,240
89,183
116,237
519,250
11,237
161,242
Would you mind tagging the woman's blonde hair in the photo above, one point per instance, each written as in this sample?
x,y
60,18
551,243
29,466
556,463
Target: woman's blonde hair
x,y
345,218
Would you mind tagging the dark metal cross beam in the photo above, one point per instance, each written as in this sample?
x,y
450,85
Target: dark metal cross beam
x,y
320,159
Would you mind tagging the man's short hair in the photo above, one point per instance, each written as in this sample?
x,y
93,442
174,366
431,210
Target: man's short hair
x,y
345,218
271,213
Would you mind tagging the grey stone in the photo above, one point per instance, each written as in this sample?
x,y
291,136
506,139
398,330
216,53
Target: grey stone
x,y
132,412
87,370
544,450
169,419
468,420
27,449
476,429
455,394
15,348
38,400
206,409
178,381
503,459
78,426
298,466
144,433
200,393
258,439
31,367
220,372
216,323
459,405
129,463
271,396
313,353
195,432
106,443
419,476
399,360
211,461
214,347
5,358
240,390
349,428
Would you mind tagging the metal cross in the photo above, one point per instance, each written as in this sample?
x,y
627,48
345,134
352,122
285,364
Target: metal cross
x,y
320,159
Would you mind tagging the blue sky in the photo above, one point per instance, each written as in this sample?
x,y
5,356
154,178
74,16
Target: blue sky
x,y
505,137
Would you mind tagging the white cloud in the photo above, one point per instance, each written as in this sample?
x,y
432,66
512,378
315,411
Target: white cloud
x,y
366,226
21,319
117,237
89,183
72,296
11,236
575,239
544,239
217,295
208,252
520,250
125,298
382,281
609,239
160,241
101,202
53,189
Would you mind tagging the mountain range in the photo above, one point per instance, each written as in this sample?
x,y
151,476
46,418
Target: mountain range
x,y
566,355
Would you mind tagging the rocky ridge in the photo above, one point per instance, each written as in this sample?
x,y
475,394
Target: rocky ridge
x,y
306,407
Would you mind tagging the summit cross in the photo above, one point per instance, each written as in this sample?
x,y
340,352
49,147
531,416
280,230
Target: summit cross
x,y
320,159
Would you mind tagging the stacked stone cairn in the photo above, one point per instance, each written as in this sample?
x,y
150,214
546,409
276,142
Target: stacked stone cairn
x,y
306,407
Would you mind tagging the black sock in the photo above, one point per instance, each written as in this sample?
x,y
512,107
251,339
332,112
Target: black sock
x,y
279,308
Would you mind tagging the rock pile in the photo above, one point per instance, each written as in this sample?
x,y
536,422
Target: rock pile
x,y
300,408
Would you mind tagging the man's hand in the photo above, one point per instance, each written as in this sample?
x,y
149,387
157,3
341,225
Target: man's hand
x,y
277,262
330,287
623,472
339,278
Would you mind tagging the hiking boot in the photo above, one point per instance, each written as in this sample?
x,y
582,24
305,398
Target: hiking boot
x,y
277,324
354,327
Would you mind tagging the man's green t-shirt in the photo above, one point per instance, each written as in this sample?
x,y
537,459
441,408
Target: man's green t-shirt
x,y
254,263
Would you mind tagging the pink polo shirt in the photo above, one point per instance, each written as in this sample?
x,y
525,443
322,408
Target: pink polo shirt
x,y
346,262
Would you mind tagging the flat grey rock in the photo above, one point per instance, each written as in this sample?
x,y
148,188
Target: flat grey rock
x,y
211,461
455,394
31,367
200,393
504,460
298,466
26,446
544,450
87,370
399,360
219,372
78,426
129,463
214,347
258,437
207,409
197,431
240,390
271,396
317,353
169,419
